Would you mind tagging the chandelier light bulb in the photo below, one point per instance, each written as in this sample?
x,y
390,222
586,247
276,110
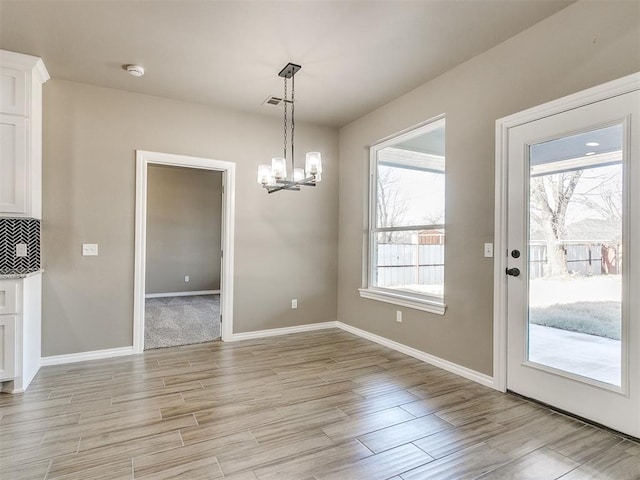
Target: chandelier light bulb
x,y
264,175
298,174
313,164
279,167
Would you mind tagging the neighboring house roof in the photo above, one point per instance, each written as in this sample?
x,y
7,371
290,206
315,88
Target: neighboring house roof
x,y
587,230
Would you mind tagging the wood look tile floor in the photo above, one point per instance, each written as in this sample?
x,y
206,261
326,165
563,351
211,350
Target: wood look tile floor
x,y
320,405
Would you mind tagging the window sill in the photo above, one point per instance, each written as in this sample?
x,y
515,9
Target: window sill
x,y
408,301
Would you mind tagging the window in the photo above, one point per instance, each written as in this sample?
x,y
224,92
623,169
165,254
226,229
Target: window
x,y
406,221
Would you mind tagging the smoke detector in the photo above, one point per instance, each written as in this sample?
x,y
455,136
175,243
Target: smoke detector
x,y
272,100
135,70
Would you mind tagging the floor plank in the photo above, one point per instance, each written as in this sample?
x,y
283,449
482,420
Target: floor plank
x,y
537,465
382,466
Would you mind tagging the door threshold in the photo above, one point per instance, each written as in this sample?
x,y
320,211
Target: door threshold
x,y
576,417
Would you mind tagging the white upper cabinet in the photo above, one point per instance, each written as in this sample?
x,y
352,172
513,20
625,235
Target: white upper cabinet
x,y
13,164
21,79
13,98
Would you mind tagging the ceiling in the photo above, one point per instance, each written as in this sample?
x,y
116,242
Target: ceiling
x,y
593,142
355,55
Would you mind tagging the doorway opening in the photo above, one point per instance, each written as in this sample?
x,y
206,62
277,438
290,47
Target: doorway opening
x,y
182,288
184,250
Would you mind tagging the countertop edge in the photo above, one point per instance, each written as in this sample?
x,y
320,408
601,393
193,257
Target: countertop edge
x,y
18,276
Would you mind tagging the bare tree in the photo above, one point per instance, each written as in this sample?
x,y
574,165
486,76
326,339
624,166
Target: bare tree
x,y
391,208
550,197
605,197
434,217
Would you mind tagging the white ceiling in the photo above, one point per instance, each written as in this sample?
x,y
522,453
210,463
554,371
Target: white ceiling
x,y
355,55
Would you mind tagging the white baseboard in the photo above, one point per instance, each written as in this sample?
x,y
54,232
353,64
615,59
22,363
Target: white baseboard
x,y
465,372
182,294
272,332
83,356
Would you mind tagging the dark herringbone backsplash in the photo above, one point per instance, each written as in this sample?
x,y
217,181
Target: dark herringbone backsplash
x,y
12,232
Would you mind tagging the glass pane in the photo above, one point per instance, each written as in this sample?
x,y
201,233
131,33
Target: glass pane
x,y
410,260
575,247
410,181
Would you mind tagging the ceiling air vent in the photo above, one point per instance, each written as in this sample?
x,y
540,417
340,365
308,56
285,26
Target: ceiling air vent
x,y
271,100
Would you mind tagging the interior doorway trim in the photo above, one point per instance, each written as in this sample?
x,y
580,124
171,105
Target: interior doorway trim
x,y
607,90
228,169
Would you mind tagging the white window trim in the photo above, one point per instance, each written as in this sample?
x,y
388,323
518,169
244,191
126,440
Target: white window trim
x,y
404,298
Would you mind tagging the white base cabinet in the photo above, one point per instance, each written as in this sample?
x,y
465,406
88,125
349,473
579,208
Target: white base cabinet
x,y
7,347
20,331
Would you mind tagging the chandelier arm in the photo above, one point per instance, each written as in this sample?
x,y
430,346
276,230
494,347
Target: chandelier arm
x,y
291,185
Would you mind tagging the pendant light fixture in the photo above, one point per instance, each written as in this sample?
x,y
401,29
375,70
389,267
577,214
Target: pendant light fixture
x,y
280,176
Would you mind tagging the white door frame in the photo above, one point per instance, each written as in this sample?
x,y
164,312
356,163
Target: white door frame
x,y
228,169
614,88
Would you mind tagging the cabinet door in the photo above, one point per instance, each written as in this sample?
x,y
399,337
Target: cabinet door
x,y
13,165
12,91
7,346
9,296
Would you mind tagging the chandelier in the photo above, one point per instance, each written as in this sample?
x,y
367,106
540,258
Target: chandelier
x,y
275,177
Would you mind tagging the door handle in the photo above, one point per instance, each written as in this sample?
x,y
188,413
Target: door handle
x,y
514,272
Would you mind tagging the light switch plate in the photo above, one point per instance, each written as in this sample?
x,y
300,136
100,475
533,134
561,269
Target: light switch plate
x,y
488,250
89,249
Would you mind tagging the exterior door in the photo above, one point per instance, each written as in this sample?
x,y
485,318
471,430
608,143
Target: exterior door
x,y
573,268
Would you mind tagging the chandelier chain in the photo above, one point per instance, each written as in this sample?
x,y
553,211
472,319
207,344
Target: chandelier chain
x,y
284,155
293,121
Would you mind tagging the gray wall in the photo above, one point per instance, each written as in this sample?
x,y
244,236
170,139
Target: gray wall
x,y
584,45
285,243
184,220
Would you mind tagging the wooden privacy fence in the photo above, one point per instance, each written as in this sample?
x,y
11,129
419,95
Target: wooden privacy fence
x,y
582,258
410,264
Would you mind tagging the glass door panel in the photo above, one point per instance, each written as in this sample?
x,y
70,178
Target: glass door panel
x,y
574,252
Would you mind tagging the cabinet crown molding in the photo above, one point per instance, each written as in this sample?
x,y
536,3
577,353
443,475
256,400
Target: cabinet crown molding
x,y
21,61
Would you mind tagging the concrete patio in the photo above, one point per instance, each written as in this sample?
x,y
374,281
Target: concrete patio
x,y
586,355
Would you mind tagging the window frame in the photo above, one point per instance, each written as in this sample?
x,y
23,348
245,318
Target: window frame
x,y
405,298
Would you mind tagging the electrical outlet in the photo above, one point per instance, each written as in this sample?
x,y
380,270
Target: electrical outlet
x,y
186,278
488,250
294,303
399,316
90,249
21,249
